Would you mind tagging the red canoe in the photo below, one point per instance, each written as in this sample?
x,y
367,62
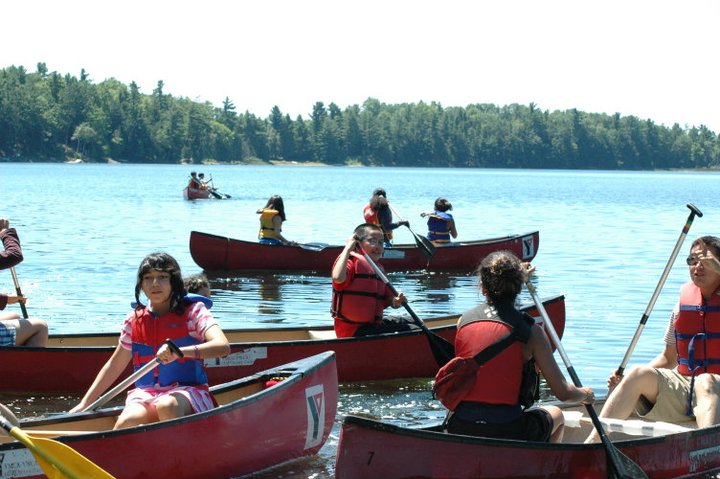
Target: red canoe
x,y
195,194
71,361
221,254
255,427
371,449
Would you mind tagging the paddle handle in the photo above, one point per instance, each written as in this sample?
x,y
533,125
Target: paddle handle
x,y
18,292
132,378
694,211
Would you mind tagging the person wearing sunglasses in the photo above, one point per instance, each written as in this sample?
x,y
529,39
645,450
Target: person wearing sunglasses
x,y
683,382
359,296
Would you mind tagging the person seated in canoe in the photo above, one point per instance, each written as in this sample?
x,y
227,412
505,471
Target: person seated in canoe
x,y
377,212
499,403
14,329
683,381
177,387
194,181
197,284
359,296
204,185
272,216
441,224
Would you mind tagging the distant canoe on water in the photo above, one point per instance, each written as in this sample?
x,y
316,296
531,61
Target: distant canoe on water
x,y
203,194
70,362
262,421
222,254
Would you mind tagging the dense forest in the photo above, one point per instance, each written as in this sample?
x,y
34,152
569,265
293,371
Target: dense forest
x,y
48,116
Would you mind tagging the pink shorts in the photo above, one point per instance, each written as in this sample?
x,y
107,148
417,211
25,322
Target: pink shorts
x,y
200,399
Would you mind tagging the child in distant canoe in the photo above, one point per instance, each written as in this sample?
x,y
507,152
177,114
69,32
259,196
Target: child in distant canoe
x,y
178,387
198,284
441,224
272,217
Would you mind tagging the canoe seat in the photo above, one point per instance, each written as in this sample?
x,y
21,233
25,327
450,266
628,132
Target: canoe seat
x,y
322,334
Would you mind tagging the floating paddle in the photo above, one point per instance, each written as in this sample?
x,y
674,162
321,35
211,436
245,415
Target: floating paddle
x,y
423,243
693,212
442,349
619,465
132,378
19,293
57,460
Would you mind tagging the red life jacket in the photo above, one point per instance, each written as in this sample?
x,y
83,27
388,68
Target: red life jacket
x,y
498,381
149,332
370,215
362,301
697,332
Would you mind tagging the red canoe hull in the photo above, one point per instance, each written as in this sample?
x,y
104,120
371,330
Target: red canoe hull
x,y
257,428
72,361
195,194
370,449
221,254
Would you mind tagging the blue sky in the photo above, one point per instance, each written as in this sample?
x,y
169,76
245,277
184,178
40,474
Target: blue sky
x,y
649,58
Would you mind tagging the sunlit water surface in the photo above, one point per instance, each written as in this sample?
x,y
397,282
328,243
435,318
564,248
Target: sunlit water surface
x,y
605,238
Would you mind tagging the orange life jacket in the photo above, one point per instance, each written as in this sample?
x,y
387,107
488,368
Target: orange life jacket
x,y
697,332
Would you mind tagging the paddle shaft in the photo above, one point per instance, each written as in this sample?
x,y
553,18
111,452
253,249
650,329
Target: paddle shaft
x,y
423,243
18,292
131,379
615,463
693,212
442,349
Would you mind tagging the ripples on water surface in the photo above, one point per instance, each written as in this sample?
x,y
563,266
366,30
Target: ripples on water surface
x,y
605,238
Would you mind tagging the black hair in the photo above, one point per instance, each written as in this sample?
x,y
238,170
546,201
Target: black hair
x,y
162,262
502,276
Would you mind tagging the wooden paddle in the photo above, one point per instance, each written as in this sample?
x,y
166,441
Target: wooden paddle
x,y
132,378
18,292
442,349
220,196
693,212
57,460
619,465
423,243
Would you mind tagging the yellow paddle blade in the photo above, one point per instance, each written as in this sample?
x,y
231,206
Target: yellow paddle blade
x,y
58,460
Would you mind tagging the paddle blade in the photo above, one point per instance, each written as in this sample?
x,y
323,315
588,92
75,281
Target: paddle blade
x,y
424,244
58,460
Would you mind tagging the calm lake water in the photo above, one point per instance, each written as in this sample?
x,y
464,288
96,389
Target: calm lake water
x,y
605,238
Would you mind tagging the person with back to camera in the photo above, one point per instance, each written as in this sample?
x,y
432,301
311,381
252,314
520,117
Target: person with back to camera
x,y
377,212
493,406
359,296
683,381
193,181
272,217
15,330
177,387
441,224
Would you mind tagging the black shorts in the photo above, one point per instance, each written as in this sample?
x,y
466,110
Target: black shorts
x,y
535,424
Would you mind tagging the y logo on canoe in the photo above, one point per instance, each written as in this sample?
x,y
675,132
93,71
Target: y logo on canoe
x,y
528,247
315,403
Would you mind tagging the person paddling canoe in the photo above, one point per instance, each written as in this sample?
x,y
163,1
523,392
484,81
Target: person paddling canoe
x,y
359,296
499,402
178,388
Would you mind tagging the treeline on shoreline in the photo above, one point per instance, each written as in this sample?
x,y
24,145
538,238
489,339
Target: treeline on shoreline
x,y
57,117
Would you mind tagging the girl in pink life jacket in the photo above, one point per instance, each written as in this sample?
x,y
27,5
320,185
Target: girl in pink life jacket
x,y
177,387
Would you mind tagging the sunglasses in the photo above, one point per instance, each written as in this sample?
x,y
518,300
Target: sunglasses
x,y
692,260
